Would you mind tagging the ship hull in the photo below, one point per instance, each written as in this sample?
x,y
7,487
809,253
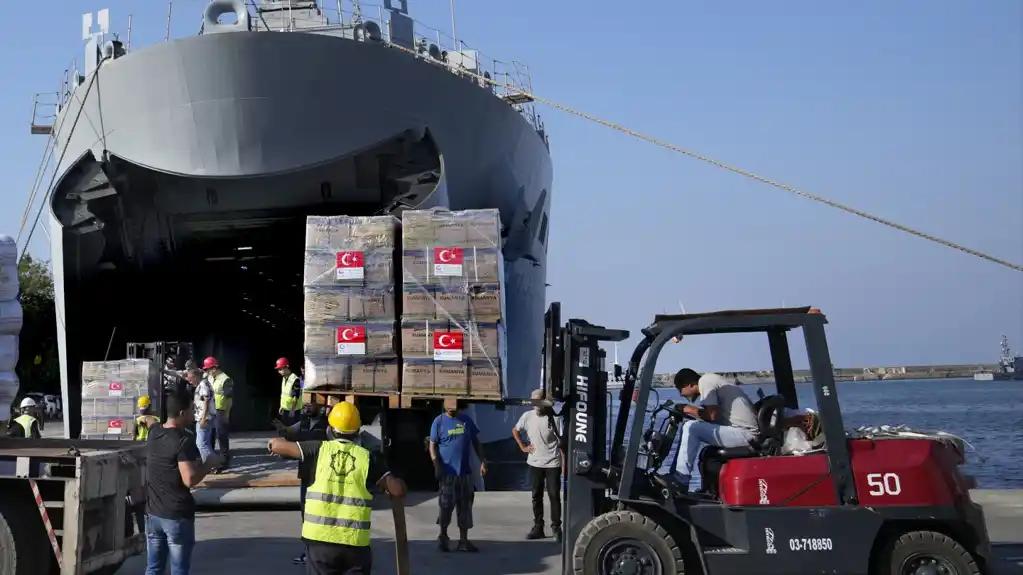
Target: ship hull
x,y
258,122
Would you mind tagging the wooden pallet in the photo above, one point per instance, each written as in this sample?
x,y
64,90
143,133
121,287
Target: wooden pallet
x,y
410,400
331,397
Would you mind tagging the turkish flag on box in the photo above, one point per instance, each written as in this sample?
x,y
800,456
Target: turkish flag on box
x,y
447,262
350,266
447,345
351,340
115,389
115,426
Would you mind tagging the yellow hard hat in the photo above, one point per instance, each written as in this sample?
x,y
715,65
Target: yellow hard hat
x,y
344,417
144,402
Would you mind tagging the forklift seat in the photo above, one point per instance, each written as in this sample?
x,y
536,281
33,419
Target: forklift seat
x,y
769,439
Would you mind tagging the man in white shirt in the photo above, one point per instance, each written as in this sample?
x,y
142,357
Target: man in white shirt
x,y
546,461
726,418
205,412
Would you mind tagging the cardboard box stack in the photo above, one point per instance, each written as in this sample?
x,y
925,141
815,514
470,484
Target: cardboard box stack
x,y
110,394
350,321
452,330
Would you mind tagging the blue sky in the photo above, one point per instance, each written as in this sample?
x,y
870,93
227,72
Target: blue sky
x,y
910,110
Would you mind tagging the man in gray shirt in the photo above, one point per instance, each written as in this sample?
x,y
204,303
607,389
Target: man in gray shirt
x,y
726,418
546,462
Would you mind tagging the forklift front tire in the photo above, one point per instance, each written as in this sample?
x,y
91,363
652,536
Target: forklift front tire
x,y
625,542
928,552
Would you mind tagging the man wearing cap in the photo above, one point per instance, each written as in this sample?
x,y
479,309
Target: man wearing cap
x,y
223,393
453,438
546,461
337,513
291,393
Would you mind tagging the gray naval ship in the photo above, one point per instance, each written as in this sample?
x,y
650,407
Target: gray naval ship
x,y
188,167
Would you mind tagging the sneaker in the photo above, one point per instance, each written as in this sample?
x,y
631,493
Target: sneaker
x,y
442,543
300,560
557,534
535,533
466,546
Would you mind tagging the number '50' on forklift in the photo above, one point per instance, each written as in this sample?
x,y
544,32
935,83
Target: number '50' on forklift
x,y
858,505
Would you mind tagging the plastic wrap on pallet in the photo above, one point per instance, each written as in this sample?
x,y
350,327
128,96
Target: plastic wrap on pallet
x,y
440,357
108,427
325,305
350,251
452,335
8,352
11,317
8,392
348,374
124,378
8,268
351,340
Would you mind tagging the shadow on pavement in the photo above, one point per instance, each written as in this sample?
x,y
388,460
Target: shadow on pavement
x,y
270,556
1007,559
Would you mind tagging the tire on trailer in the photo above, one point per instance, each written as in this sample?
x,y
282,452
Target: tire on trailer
x,y
913,551
625,536
24,546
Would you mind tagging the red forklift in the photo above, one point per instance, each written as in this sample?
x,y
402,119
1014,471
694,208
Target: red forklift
x,y
857,505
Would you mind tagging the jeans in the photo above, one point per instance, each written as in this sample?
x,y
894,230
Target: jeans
x,y
173,537
546,479
224,436
697,433
204,439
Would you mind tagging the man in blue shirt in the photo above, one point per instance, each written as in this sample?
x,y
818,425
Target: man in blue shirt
x,y
453,437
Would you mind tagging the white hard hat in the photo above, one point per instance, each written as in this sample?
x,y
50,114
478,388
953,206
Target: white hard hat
x,y
28,402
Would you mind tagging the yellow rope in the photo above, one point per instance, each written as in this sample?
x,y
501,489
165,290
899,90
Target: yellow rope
x,y
730,168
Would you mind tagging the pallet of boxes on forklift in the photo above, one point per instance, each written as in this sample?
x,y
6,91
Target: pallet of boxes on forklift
x,y
350,304
110,394
452,319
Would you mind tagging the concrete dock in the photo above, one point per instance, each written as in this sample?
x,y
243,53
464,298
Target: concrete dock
x,y
264,542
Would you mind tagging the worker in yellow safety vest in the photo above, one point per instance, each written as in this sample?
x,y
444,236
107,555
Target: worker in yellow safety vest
x,y
25,425
337,511
223,393
291,393
145,420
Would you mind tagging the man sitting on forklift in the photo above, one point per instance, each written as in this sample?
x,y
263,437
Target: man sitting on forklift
x,y
726,418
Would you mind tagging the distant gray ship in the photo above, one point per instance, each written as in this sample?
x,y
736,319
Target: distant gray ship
x,y
1010,366
189,166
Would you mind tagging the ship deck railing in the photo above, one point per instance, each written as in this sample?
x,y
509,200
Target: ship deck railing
x,y
511,79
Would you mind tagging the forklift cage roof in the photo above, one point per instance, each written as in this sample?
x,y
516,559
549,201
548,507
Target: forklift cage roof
x,y
775,323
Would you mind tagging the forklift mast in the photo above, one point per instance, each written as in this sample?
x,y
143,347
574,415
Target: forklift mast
x,y
575,375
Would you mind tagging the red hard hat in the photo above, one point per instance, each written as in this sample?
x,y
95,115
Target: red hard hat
x,y
281,363
210,363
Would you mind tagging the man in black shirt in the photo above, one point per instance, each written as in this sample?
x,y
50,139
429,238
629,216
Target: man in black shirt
x,y
173,467
311,427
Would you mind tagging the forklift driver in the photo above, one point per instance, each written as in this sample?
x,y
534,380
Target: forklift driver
x,y
726,418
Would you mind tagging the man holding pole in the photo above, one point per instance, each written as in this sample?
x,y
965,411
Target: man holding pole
x,y
337,512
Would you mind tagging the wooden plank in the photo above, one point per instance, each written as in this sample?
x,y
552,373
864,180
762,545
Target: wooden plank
x,y
400,537
408,400
72,541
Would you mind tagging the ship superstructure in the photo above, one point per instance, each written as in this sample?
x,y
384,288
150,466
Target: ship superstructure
x,y
187,169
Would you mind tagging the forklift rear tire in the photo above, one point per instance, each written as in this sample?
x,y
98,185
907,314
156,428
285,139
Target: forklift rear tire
x,y
613,539
919,552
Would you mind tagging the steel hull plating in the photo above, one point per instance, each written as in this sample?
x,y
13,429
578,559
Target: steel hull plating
x,y
240,107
